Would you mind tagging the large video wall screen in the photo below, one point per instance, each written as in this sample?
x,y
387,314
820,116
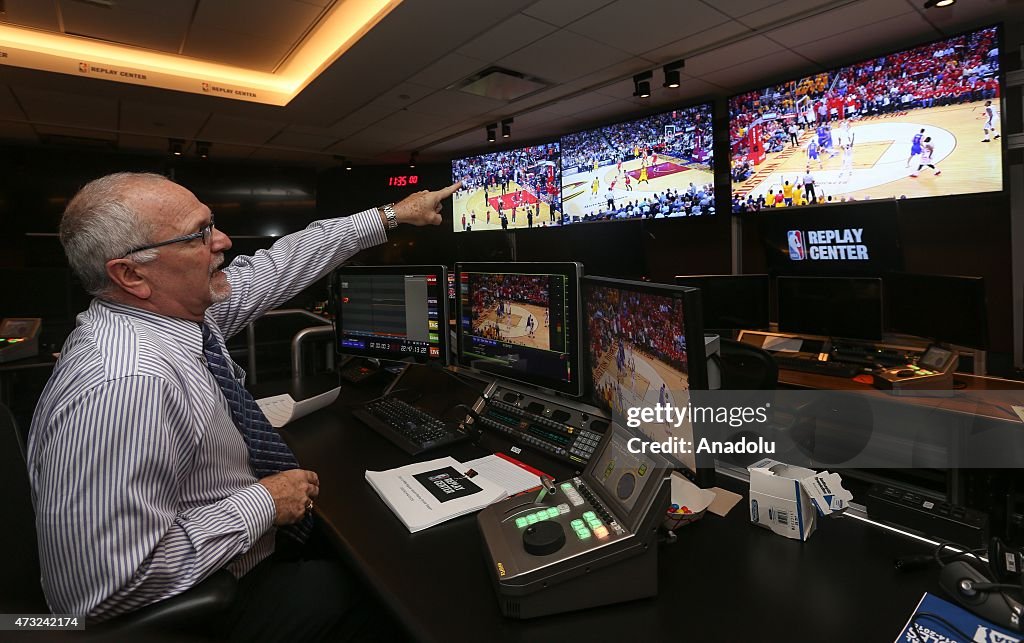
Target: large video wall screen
x,y
916,123
512,189
654,167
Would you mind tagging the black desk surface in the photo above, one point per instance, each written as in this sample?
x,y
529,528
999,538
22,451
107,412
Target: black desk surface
x,y
724,580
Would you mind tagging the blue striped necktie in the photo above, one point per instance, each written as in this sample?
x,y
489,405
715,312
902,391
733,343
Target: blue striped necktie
x,y
268,453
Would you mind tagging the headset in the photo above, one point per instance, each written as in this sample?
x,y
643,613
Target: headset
x,y
992,591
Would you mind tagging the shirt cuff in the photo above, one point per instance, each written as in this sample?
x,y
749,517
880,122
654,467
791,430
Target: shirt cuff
x,y
369,228
256,507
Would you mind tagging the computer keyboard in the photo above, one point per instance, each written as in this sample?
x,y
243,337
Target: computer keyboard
x,y
412,430
808,365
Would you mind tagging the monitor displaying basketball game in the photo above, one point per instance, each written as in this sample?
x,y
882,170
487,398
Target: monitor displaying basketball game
x,y
521,321
655,167
645,349
920,122
507,190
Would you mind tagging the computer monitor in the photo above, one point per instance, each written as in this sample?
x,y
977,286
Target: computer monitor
x,y
730,302
520,321
396,313
938,307
831,306
645,347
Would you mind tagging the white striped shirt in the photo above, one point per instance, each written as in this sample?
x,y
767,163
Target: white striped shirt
x,y
140,480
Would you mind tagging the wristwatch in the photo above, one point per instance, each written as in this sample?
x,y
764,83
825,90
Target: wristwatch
x,y
389,214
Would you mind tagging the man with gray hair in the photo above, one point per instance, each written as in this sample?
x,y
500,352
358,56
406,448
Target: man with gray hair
x,y
150,468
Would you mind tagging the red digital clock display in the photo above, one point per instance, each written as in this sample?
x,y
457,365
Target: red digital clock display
x,y
403,180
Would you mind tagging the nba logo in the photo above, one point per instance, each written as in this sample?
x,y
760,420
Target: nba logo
x,y
796,245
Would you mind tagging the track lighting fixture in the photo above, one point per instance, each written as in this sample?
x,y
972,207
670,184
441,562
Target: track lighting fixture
x,y
672,73
642,84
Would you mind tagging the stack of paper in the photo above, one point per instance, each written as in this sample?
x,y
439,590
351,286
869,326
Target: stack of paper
x,y
428,493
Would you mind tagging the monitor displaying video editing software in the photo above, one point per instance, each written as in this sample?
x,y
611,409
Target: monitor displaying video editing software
x,y
521,321
392,312
645,347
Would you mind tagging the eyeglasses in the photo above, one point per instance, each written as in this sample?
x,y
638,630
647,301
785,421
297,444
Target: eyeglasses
x,y
204,233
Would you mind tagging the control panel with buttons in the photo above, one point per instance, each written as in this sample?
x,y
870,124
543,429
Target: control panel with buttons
x,y
591,541
566,433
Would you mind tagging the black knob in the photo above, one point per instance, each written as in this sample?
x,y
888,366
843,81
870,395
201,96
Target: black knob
x,y
543,538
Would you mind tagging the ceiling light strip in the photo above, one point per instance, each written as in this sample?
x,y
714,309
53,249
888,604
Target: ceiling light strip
x,y
349,21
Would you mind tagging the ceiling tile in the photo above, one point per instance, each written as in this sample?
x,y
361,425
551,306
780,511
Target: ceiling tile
x,y
161,120
448,70
748,75
880,35
231,129
411,122
235,48
148,144
581,103
44,106
771,13
575,56
159,26
837,21
32,13
290,19
291,156
747,50
292,138
637,29
9,109
455,102
718,35
737,8
562,12
74,132
512,34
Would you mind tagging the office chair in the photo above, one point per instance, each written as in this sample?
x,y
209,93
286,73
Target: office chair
x,y
21,591
747,368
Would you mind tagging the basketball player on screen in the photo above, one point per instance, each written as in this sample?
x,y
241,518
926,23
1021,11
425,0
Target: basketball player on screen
x,y
915,146
926,157
990,122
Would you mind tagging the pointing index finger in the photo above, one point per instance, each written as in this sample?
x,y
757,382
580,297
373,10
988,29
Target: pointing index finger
x,y
444,193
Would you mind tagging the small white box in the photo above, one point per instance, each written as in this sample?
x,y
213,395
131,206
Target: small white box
x,y
788,499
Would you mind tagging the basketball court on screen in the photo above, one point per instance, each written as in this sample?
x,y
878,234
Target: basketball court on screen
x,y
578,194
881,149
514,327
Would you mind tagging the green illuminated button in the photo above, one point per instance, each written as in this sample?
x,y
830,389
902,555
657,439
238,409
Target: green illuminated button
x,y
521,522
531,519
589,515
595,523
584,533
541,515
552,512
577,524
566,486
